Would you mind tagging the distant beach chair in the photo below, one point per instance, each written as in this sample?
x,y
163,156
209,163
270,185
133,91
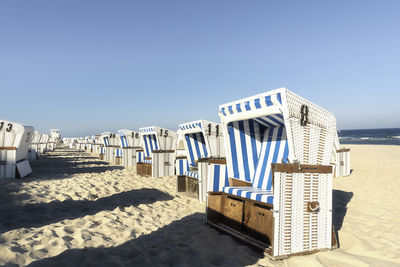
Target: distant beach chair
x,y
97,144
44,139
33,151
158,157
112,143
279,193
15,139
181,162
73,143
204,145
341,159
130,143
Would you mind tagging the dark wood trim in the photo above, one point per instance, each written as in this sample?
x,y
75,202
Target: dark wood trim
x,y
163,151
132,147
213,160
343,150
8,148
300,168
147,158
236,182
180,157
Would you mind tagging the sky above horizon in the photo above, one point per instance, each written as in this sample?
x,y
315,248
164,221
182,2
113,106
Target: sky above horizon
x,y
87,67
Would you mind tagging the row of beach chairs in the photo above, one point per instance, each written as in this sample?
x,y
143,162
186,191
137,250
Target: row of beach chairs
x,y
19,144
265,170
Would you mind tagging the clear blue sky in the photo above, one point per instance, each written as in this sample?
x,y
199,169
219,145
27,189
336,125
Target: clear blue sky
x,y
91,66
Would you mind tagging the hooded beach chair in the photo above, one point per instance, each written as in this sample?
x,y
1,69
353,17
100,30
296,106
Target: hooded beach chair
x,y
158,155
112,143
97,144
341,159
204,145
279,193
130,142
15,139
44,139
181,162
33,152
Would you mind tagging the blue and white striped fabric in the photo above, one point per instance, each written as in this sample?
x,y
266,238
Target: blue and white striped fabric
x,y
124,142
102,150
196,146
139,156
250,142
253,145
193,174
118,152
266,196
192,125
182,166
150,144
147,161
217,177
250,104
106,141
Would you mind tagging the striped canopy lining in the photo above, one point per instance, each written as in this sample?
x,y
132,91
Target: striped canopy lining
x,y
255,144
196,146
124,142
106,141
257,103
150,144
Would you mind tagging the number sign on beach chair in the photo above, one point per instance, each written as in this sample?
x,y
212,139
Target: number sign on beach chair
x,y
158,157
15,139
130,142
204,145
279,193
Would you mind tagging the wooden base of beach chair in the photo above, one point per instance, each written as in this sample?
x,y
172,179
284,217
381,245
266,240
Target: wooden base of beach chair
x,y
118,161
188,185
249,221
143,169
101,156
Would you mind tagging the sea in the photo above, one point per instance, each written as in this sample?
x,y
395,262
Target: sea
x,y
390,136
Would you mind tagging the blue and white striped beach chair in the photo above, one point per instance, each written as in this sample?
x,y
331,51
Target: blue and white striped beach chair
x,y
204,145
130,142
279,192
15,139
159,152
111,142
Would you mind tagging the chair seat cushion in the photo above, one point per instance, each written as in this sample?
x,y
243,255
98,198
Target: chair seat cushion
x,y
146,161
261,195
193,174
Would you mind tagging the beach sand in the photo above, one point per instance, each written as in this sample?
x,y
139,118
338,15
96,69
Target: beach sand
x,y
75,210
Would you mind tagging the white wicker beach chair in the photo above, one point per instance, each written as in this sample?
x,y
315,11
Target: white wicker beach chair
x,y
341,159
33,152
130,142
44,139
279,192
159,152
15,139
112,143
204,145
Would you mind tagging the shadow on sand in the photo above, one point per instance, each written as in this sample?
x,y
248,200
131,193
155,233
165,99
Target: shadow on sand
x,y
186,242
340,199
14,216
55,166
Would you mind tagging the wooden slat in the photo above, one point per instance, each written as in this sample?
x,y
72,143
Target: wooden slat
x,y
8,148
301,168
236,182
